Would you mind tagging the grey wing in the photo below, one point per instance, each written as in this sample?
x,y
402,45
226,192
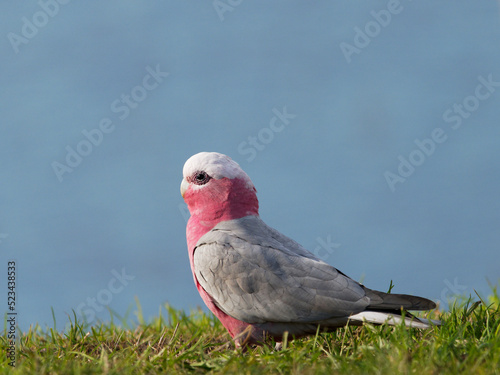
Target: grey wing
x,y
256,274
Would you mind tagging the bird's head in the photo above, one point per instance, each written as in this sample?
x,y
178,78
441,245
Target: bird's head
x,y
216,188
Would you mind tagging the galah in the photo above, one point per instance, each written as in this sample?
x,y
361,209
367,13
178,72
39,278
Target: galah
x,y
258,282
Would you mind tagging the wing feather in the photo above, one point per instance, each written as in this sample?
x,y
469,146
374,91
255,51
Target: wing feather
x,y
256,274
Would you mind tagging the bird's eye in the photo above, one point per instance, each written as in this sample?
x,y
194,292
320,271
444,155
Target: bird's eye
x,y
200,178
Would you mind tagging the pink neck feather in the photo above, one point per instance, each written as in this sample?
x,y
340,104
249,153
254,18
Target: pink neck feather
x,y
226,199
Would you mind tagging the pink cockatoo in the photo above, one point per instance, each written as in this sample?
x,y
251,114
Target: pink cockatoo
x,y
260,283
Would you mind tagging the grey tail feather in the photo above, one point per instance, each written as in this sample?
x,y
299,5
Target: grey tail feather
x,y
387,308
380,301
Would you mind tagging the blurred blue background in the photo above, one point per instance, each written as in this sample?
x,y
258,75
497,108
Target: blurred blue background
x,y
92,225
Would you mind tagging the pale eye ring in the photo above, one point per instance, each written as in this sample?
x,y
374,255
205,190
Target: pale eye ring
x,y
200,178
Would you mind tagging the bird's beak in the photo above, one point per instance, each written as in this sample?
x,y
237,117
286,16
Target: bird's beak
x,y
184,186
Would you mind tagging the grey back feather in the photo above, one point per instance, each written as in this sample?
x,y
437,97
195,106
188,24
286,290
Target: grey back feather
x,y
256,274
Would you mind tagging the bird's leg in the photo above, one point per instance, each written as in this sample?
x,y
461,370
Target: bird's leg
x,y
242,339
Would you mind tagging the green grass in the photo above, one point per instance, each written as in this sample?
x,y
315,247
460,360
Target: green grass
x,y
468,342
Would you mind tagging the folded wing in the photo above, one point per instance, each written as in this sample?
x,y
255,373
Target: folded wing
x,y
257,275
